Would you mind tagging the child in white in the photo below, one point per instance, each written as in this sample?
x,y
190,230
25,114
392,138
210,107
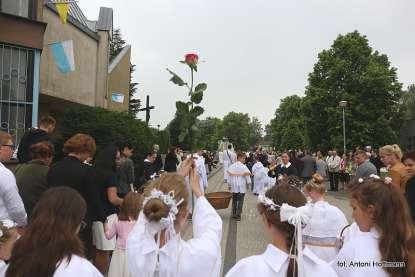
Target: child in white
x,y
383,218
283,212
261,179
326,222
238,180
155,248
130,208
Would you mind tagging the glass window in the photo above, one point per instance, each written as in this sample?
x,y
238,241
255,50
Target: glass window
x,y
16,7
16,89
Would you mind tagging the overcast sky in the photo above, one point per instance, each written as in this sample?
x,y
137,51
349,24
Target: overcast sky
x,y
256,52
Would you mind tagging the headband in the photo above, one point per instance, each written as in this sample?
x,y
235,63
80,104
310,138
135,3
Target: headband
x,y
297,216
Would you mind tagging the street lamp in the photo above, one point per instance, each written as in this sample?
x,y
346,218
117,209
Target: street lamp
x,y
343,104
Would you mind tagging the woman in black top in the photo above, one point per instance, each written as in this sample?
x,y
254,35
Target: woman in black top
x,y
409,161
171,162
284,169
103,177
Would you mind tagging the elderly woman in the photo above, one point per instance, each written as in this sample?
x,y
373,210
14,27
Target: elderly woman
x,y
391,156
31,176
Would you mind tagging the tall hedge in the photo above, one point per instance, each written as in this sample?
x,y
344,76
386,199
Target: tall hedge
x,y
106,127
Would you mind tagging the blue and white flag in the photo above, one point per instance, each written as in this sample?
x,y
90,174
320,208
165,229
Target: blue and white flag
x,y
63,55
117,97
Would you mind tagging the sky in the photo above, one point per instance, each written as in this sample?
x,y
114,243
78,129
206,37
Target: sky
x,y
255,52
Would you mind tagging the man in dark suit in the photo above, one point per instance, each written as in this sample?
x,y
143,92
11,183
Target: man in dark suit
x,y
309,167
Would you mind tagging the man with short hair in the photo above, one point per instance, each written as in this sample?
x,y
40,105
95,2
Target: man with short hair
x,y
309,167
333,165
125,170
35,135
364,167
11,204
149,169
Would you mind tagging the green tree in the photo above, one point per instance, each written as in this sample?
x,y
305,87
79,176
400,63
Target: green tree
x,y
134,103
208,133
256,130
407,103
117,43
352,71
235,126
287,127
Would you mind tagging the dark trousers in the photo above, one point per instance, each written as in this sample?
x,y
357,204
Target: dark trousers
x,y
237,203
334,180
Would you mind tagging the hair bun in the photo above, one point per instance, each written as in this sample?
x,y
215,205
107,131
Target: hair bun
x,y
317,178
155,210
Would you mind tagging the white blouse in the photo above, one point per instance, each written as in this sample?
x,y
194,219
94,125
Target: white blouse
x,y
323,229
274,262
360,256
199,256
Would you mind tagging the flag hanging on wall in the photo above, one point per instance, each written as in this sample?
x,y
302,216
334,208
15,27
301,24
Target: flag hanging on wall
x,y
63,55
63,9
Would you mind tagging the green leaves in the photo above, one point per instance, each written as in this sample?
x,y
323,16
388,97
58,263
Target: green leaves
x,y
182,107
200,87
176,79
196,111
197,97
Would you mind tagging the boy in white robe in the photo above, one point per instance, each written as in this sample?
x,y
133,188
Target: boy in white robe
x,y
239,178
229,157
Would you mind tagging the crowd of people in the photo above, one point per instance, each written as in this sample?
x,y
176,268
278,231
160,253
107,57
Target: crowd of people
x,y
91,214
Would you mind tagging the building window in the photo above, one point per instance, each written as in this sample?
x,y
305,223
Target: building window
x,y
16,89
16,7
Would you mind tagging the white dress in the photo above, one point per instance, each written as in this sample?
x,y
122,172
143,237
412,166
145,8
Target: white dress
x,y
261,179
238,183
274,262
323,229
229,157
199,256
360,256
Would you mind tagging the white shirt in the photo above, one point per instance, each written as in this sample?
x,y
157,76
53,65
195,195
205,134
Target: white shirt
x,y
78,267
11,204
199,256
238,183
359,256
274,262
201,171
333,163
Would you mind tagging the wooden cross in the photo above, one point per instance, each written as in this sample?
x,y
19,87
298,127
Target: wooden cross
x,y
147,109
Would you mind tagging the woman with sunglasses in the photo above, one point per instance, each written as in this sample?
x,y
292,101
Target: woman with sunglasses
x,y
50,245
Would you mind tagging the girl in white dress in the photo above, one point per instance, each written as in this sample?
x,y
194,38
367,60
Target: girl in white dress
x,y
50,245
326,222
385,245
154,246
127,217
284,212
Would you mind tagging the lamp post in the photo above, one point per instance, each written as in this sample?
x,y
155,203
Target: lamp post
x,y
343,104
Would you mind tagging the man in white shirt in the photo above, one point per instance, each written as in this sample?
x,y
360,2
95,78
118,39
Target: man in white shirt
x,y
11,204
333,164
229,157
239,178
